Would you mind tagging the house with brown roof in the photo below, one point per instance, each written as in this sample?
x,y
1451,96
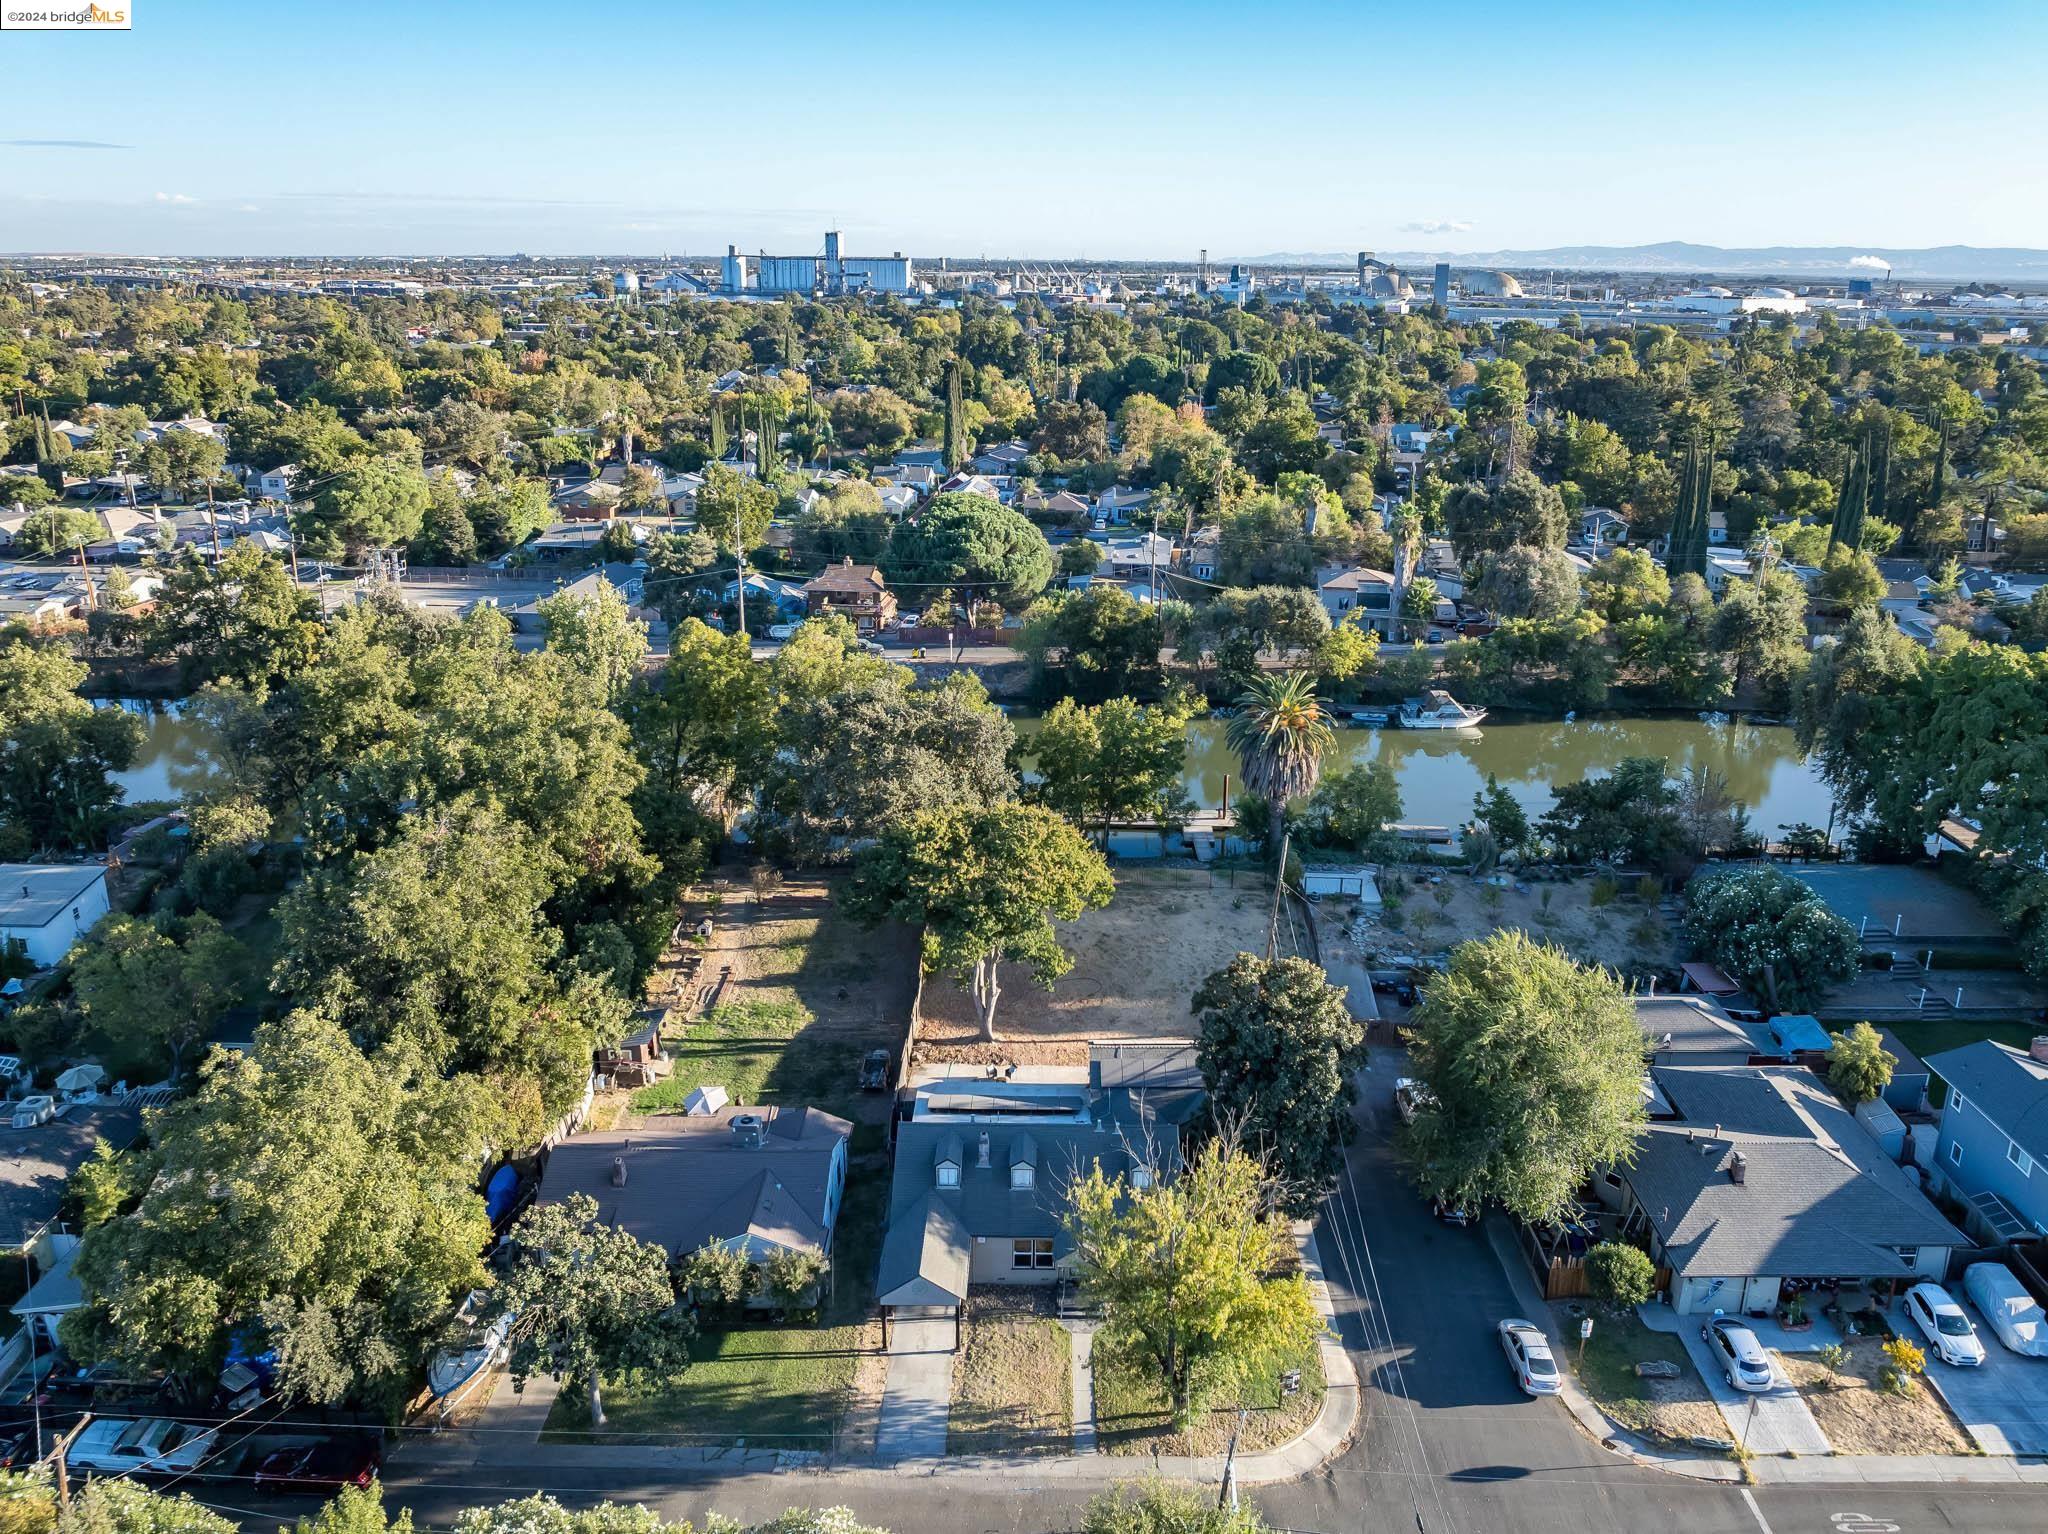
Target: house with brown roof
x,y
848,590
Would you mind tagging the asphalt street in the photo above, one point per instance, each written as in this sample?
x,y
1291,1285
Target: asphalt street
x,y
1446,1445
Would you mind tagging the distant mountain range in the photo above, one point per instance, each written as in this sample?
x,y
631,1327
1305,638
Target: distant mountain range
x,y
1951,263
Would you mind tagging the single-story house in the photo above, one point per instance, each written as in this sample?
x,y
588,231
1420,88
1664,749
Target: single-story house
x,y
1991,1149
852,591
1750,1175
1003,458
275,484
920,477
1120,502
47,907
1694,1030
1137,558
785,597
750,1179
979,1190
1060,505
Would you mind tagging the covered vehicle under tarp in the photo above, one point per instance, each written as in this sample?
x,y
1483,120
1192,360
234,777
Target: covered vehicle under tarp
x,y
2013,1313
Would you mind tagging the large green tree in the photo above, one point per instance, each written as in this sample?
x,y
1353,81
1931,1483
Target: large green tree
x,y
56,752
378,503
1772,932
588,1300
985,885
1534,1065
242,621
599,637
1191,1273
305,1189
1278,1047
148,990
970,542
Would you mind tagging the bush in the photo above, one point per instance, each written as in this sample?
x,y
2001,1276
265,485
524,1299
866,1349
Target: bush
x,y
1160,1507
1903,1361
1834,1358
1620,1276
1649,889
718,1276
1604,891
1770,932
1859,1066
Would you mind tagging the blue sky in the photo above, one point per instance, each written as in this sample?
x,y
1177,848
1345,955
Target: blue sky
x,y
1134,129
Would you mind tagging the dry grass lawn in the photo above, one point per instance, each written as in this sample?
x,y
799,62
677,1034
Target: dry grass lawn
x,y
1623,932
1013,1380
1859,1418
1133,1415
1136,963
1676,1409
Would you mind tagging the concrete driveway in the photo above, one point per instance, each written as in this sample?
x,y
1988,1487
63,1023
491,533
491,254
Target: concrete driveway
x,y
2003,1403
918,1394
1774,1421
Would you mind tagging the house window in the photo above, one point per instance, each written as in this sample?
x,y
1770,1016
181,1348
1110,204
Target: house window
x,y
2019,1158
1908,1254
1141,1177
949,1175
1031,1252
1611,1180
1023,1176
1955,1101
1955,1153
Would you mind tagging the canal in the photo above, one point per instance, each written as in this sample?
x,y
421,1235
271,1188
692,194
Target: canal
x,y
1440,770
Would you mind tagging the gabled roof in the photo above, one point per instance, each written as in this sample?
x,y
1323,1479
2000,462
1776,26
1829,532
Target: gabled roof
x,y
925,1256
2007,1086
35,894
848,579
1818,1197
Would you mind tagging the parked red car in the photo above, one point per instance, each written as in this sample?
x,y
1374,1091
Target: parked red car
x,y
326,1466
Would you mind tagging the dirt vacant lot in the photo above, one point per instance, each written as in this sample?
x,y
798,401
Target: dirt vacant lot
x,y
1612,924
1136,964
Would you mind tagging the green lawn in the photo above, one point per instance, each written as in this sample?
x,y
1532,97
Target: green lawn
x,y
1934,1035
744,1047
776,1387
1606,1368
1133,1415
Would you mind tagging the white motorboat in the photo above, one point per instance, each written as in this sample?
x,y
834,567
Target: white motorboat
x,y
1438,710
453,1367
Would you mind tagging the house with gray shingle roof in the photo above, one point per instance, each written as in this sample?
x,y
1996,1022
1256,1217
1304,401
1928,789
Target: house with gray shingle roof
x,y
1992,1147
756,1179
1750,1175
983,1166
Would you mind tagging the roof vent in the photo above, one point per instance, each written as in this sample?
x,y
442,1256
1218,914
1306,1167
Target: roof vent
x,y
1738,1169
981,1155
2039,1047
618,1171
746,1130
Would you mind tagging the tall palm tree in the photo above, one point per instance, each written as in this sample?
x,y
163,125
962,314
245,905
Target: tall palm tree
x,y
1280,734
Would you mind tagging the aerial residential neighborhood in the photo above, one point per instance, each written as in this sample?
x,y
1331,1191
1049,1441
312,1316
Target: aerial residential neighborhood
x,y
755,777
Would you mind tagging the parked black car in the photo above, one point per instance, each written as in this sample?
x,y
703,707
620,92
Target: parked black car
x,y
325,1467
874,1071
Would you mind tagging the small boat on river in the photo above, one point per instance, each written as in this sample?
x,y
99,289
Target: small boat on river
x,y
1438,710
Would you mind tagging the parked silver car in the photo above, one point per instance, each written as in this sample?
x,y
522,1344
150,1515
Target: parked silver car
x,y
1741,1357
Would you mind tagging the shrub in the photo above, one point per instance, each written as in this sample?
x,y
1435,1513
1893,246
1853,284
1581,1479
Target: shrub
x,y
717,1275
1859,1066
1649,889
1834,1358
1162,1507
792,1278
1604,890
1770,932
1903,1361
1620,1276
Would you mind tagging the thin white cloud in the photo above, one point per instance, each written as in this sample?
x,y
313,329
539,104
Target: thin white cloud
x,y
176,197
1437,226
248,207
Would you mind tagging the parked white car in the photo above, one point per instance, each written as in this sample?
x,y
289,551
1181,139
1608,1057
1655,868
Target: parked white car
x,y
1942,1320
1529,1356
782,631
1410,1098
139,1446
1741,1357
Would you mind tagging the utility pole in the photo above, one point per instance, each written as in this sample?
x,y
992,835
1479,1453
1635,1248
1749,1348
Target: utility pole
x,y
213,521
86,573
739,543
1227,1497
63,1447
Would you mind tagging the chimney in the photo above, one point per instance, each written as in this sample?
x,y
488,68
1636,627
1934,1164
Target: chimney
x,y
2038,1049
981,1156
1738,1169
618,1171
